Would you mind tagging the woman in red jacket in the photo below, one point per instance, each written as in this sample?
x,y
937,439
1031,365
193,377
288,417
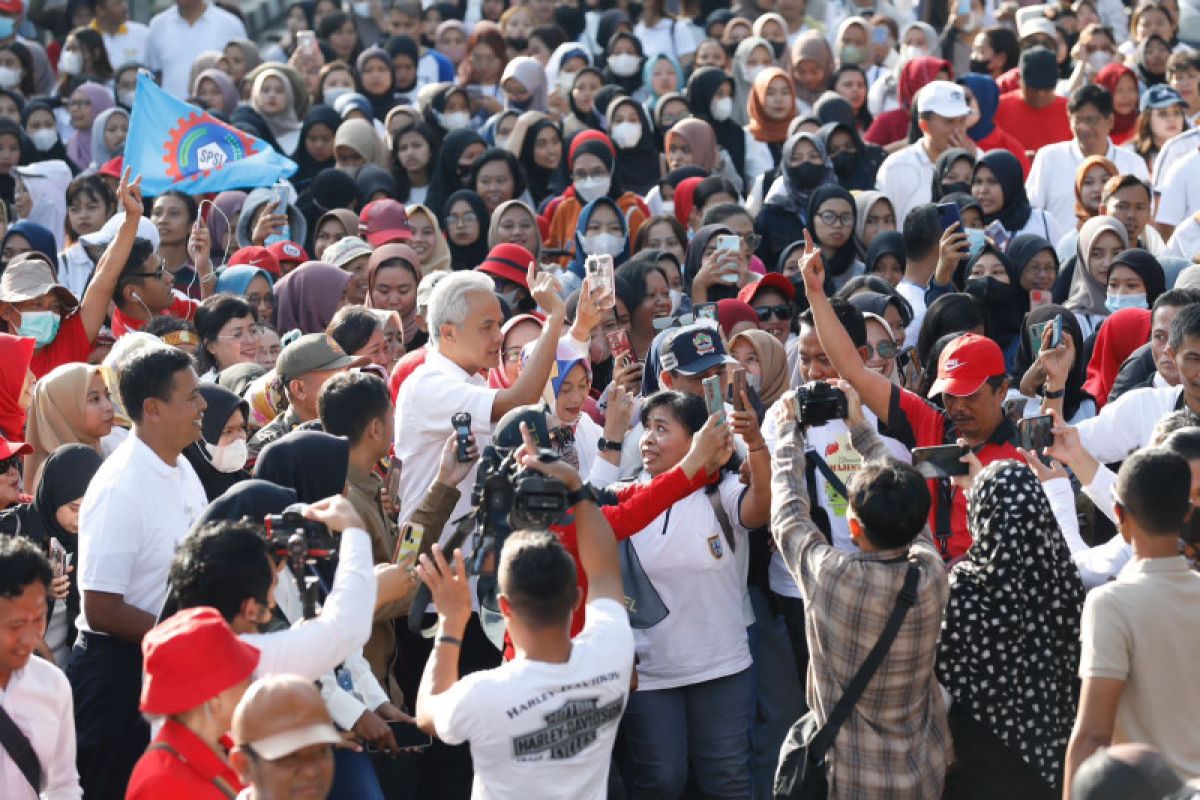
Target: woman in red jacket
x,y
984,98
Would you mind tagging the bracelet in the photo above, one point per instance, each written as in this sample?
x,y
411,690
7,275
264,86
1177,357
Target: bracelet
x,y
1053,395
449,640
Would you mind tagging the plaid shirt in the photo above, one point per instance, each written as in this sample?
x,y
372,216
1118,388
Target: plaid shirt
x,y
896,743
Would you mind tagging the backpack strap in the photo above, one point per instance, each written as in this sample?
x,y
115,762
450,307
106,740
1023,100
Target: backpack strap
x,y
714,499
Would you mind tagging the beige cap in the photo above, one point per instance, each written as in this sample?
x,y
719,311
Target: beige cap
x,y
281,714
28,277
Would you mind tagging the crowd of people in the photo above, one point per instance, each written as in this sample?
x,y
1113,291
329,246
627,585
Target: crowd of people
x,y
858,340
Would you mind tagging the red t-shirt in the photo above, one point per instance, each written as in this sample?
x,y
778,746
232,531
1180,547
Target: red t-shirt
x,y
70,345
407,364
918,423
1033,127
1000,139
181,307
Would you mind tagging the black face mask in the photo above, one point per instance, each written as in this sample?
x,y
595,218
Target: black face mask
x,y
980,66
955,188
730,48
779,48
518,43
844,163
807,175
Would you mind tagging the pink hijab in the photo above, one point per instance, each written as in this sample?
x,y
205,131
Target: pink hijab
x,y
79,147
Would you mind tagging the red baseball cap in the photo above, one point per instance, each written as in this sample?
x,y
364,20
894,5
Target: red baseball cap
x,y
772,280
259,257
384,221
286,252
113,167
191,657
12,7
508,261
9,449
966,364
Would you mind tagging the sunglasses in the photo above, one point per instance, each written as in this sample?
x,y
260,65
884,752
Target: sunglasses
x,y
886,350
781,312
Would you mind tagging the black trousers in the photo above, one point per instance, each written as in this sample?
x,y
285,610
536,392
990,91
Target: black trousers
x,y
111,734
792,609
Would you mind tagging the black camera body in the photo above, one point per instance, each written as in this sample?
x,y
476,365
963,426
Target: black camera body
x,y
292,535
509,497
818,403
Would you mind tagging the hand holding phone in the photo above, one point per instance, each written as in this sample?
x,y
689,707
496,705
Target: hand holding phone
x,y
1036,433
948,214
602,284
942,461
714,397
619,347
740,388
462,430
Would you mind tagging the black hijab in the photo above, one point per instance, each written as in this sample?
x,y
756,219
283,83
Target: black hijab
x,y
330,189
445,179
701,89
855,172
319,114
592,119
541,182
693,259
251,499
1147,268
437,105
1015,212
381,104
221,405
1075,395
944,164
606,29
640,167
600,150
313,463
371,179
844,258
628,84
472,255
58,150
1147,77
247,120
404,46
887,243
1001,302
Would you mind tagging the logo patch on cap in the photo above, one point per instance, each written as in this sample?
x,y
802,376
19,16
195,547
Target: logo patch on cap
x,y
334,346
290,249
703,343
669,362
952,364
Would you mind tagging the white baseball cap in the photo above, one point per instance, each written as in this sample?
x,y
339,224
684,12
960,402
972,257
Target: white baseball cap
x,y
146,230
943,98
1038,26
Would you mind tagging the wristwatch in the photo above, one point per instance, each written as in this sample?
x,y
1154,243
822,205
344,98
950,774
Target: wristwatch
x,y
1048,395
606,444
584,492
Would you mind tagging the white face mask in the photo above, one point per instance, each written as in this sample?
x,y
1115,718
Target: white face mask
x,y
566,80
910,51
362,9
603,244
668,207
624,64
754,381
9,77
722,109
591,188
454,120
44,139
1099,60
70,62
230,457
127,97
753,72
676,299
334,92
626,134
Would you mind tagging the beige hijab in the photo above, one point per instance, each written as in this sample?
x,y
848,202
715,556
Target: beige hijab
x,y
56,416
439,259
494,228
772,360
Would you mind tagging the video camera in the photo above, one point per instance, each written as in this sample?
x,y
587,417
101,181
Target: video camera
x,y
818,403
299,541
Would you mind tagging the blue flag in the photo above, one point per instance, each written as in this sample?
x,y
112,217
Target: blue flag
x,y
174,145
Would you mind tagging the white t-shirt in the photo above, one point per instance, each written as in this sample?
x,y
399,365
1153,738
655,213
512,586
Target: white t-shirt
x,y
686,556
128,45
174,43
542,730
667,36
136,510
906,177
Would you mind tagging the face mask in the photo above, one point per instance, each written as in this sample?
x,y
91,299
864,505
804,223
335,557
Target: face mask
x,y
518,43
454,120
361,9
624,64
910,51
1115,302
8,26
953,188
334,92
502,142
9,77
608,244
676,299
752,72
626,134
520,105
779,48
979,66
591,188
565,81
70,62
722,109
668,208
230,457
843,163
853,54
127,97
1099,60
44,139
754,382
41,326
806,176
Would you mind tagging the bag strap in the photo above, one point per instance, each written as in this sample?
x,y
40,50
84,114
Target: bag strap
x,y
219,783
828,474
841,712
714,499
20,751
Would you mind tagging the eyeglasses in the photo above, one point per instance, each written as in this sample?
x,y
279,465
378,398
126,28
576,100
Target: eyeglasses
x,y
161,273
583,176
752,240
781,312
12,462
512,355
836,220
468,218
886,350
240,335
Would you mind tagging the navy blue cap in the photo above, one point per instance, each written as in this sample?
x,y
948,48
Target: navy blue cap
x,y
693,349
1160,96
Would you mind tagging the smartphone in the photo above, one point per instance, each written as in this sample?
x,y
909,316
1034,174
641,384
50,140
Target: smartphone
x,y
714,397
998,234
948,214
740,386
599,271
409,543
1038,330
1034,432
59,557
281,195
462,429
731,243
964,8
706,311
409,735
939,462
1056,336
306,42
619,346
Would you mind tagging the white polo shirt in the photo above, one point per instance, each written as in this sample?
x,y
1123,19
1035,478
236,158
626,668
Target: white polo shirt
x,y
1178,201
38,698
136,510
174,43
1051,181
436,391
1176,148
1127,423
128,45
906,177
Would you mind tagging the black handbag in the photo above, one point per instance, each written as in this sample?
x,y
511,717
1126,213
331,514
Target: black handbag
x,y
801,771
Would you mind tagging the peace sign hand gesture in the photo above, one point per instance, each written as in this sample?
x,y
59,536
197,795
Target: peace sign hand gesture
x,y
812,267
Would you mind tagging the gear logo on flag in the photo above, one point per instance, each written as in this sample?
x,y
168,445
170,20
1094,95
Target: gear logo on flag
x,y
196,147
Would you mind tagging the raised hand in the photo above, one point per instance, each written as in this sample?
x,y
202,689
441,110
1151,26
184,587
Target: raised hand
x,y
588,312
335,513
544,288
854,408
953,248
812,267
527,457
745,424
619,414
451,471
269,223
448,586
199,245
129,196
711,447
1056,362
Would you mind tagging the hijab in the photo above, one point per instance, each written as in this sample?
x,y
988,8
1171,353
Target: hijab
x,y
66,473
1010,640
1021,250
444,178
702,87
372,179
701,139
47,182
592,118
496,376
313,463
230,96
221,405
283,124
40,239
308,167
542,182
812,46
250,53
784,193
652,99
400,45
439,258
237,279
332,191
1147,77
772,360
471,255
762,127
942,167
251,499
631,83
229,203
1087,295
393,252
693,258
247,120
640,165
599,145
79,148
987,95
16,352
585,216
887,243
1003,304
915,75
1124,331
1147,268
381,104
56,416
360,136
743,81
307,297
57,151
1075,390
1015,212
528,72
840,266
1109,77
101,155
1082,213
494,226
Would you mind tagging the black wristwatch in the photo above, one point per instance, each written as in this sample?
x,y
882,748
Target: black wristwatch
x,y
584,492
607,444
1053,395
